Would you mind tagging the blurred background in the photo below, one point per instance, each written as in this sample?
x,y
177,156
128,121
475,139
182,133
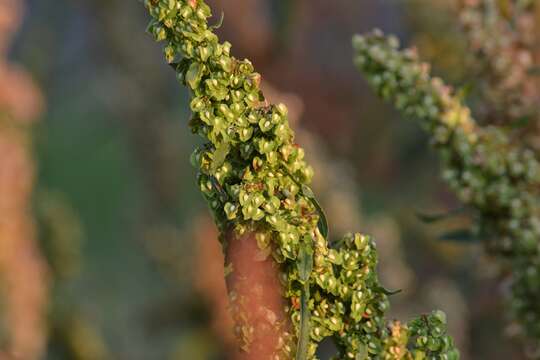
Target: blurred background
x,y
130,263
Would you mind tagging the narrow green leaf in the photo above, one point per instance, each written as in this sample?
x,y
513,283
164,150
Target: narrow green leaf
x,y
462,235
306,190
305,262
387,292
323,222
432,218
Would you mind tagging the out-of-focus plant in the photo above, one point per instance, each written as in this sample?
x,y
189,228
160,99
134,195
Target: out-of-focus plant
x,y
437,36
23,272
30,283
71,334
503,37
498,47
484,165
60,234
274,232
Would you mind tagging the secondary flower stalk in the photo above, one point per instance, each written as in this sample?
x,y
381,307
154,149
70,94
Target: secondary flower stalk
x,y
488,171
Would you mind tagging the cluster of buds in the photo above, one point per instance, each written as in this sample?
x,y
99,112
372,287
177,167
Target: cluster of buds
x,y
503,36
255,179
489,172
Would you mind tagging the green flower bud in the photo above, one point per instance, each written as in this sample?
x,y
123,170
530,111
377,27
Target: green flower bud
x,y
245,133
257,199
230,211
264,146
265,124
272,157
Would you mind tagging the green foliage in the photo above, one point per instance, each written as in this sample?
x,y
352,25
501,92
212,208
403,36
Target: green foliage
x,y
489,172
254,177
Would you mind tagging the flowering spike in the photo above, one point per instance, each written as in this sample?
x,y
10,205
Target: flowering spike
x,y
329,292
488,171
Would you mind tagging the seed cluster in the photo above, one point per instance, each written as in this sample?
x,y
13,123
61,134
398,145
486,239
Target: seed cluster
x,y
255,179
488,171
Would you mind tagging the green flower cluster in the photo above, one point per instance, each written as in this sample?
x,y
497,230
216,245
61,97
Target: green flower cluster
x,y
255,179
488,171
426,336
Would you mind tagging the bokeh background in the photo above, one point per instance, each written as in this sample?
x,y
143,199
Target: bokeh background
x,y
133,264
